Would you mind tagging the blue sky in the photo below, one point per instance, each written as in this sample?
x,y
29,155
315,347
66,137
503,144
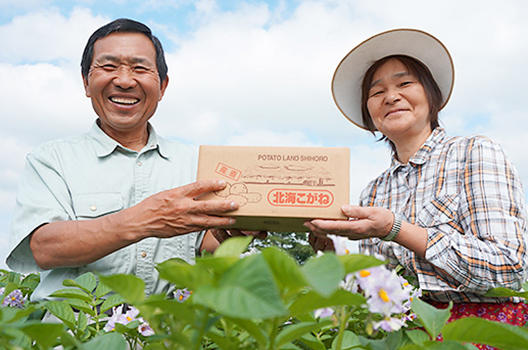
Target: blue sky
x,y
256,73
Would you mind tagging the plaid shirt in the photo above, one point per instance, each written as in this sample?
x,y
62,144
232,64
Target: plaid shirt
x,y
469,198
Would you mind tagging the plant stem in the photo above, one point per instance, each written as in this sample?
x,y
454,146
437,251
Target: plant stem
x,y
342,325
273,334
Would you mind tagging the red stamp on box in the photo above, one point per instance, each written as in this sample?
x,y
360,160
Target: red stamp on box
x,y
227,171
281,197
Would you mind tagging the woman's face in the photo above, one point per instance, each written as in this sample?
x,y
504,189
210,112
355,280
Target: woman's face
x,y
397,103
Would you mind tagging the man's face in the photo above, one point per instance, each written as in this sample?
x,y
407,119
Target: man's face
x,y
123,83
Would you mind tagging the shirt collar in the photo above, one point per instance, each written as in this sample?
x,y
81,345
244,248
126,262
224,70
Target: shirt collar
x,y
421,156
105,145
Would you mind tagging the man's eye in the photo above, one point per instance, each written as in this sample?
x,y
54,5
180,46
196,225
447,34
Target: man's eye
x,y
140,68
109,66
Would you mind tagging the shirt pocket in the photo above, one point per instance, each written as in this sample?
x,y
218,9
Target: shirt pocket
x,y
441,210
93,205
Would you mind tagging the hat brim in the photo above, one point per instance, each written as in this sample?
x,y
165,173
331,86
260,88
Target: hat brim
x,y
348,76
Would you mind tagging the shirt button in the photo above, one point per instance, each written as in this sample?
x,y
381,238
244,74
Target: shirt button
x,y
139,163
93,208
143,254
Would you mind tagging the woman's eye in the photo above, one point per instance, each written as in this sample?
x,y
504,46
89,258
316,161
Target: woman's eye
x,y
406,83
376,93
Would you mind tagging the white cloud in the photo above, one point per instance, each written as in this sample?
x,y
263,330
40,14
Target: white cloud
x,y
47,35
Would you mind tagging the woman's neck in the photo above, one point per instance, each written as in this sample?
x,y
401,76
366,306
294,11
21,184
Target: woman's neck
x,y
408,147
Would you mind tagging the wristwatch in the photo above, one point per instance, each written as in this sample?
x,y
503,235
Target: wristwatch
x,y
396,226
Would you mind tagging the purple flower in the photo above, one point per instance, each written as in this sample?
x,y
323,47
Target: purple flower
x,y
13,299
501,316
125,318
324,312
389,324
145,329
343,245
384,290
481,311
182,294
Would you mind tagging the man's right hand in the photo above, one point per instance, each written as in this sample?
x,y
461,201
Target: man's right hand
x,y
180,210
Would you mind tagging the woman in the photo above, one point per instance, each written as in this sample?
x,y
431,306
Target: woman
x,y
450,210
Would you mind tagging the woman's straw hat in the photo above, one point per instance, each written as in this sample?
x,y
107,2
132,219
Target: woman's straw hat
x,y
346,83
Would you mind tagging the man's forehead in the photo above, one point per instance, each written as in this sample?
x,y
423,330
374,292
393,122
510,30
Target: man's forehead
x,y
119,45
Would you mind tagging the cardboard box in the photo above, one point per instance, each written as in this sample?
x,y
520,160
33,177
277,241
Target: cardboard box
x,y
279,188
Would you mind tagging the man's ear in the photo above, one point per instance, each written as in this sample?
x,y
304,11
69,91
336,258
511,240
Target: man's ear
x,y
164,84
85,83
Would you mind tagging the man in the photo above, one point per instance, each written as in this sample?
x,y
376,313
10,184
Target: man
x,y
117,199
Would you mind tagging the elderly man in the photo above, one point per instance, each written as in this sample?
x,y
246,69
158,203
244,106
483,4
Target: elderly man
x,y
118,199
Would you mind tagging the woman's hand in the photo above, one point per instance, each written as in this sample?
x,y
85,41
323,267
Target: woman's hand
x,y
363,222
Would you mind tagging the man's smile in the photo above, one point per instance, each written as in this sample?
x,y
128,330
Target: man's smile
x,y
124,100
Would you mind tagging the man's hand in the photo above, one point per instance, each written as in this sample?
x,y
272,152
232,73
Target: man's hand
x,y
320,242
180,210
215,236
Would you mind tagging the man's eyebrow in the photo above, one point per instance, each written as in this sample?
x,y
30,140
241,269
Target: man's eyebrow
x,y
113,58
397,75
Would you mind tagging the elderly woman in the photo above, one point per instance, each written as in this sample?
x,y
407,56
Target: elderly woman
x,y
450,210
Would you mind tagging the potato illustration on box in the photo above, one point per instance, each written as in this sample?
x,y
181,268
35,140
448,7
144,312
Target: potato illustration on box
x,y
279,188
238,192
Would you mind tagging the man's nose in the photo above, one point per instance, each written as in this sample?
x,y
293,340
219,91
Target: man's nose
x,y
124,78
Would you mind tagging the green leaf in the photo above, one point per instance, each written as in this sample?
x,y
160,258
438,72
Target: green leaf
x,y
432,318
482,331
11,315
220,340
215,266
417,336
81,305
62,311
111,301
311,301
357,262
31,281
285,269
253,329
113,340
505,292
45,334
72,294
184,275
247,290
102,290
312,342
297,330
86,282
324,273
82,321
233,246
350,340
130,287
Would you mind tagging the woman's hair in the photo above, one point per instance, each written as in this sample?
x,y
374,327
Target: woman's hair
x,y
424,76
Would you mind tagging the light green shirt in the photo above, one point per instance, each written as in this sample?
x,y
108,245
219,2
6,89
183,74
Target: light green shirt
x,y
92,175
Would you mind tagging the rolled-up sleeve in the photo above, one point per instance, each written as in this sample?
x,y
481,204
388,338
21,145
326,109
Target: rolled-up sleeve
x,y
42,197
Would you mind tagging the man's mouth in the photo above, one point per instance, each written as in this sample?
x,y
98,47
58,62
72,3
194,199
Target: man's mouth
x,y
124,100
